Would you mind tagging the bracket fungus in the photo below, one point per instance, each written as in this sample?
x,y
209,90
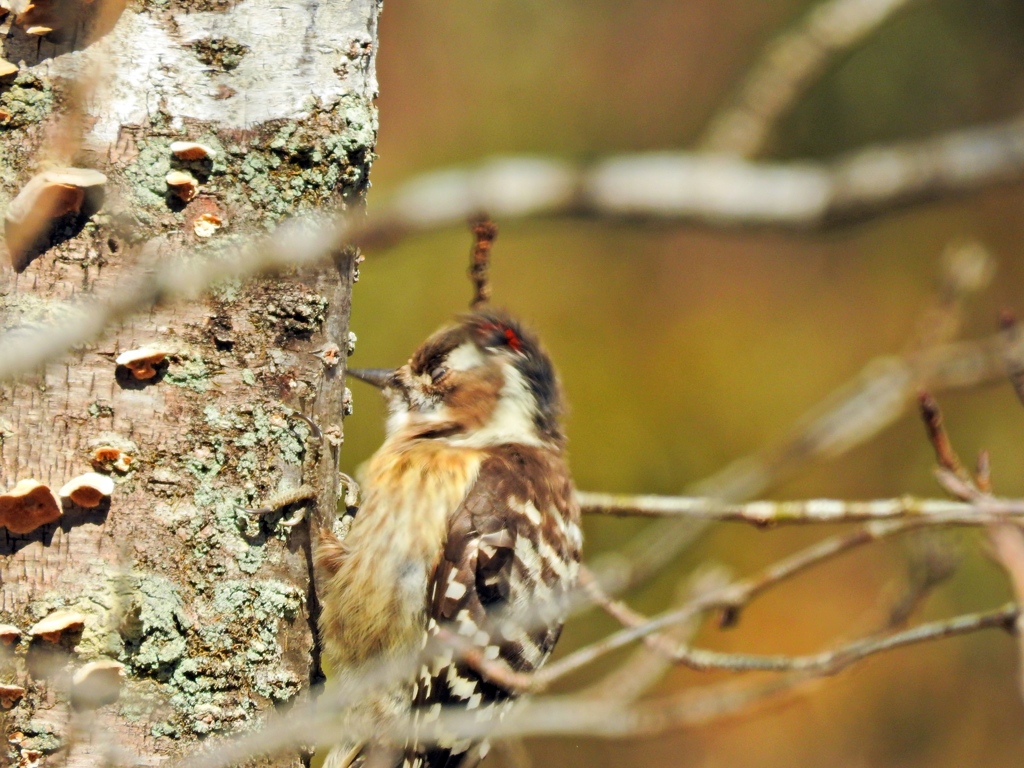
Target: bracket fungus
x,y
46,197
183,184
88,490
96,683
10,695
206,224
142,362
190,150
27,506
56,624
9,634
110,458
7,68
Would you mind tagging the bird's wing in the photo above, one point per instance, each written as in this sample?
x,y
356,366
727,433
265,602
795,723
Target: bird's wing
x,y
510,559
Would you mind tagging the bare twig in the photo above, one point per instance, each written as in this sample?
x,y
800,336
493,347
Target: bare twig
x,y
599,717
1008,543
635,676
767,513
944,453
484,233
494,670
1007,539
850,416
789,64
574,715
835,660
729,599
621,612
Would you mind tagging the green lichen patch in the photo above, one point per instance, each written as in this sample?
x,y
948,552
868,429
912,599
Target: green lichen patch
x,y
100,410
222,53
293,168
190,372
39,735
200,665
234,653
229,472
153,627
24,310
28,101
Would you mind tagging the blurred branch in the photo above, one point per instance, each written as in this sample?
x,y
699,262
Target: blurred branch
x,y
789,65
859,410
1013,352
966,269
674,185
175,276
715,189
850,416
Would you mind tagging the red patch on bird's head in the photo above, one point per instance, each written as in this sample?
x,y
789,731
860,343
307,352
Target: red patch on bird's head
x,y
493,334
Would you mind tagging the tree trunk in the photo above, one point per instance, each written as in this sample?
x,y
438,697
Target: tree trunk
x,y
207,607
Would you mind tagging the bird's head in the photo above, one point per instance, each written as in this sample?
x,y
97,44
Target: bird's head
x,y
481,382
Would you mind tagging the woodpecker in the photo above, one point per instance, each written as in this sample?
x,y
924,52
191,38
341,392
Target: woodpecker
x,y
468,525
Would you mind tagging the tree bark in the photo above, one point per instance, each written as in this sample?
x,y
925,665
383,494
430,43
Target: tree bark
x,y
207,607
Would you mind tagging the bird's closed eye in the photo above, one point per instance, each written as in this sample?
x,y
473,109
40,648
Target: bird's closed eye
x,y
438,373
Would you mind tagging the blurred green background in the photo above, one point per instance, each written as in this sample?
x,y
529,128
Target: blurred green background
x,y
682,348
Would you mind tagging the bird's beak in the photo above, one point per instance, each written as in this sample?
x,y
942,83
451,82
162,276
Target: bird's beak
x,y
379,377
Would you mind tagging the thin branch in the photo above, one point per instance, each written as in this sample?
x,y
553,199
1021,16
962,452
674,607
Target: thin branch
x,y
485,232
770,513
621,612
850,416
1007,539
931,415
580,715
576,715
835,660
1008,543
932,560
730,599
637,674
788,66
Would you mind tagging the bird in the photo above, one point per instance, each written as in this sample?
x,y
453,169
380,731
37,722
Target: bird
x,y
468,524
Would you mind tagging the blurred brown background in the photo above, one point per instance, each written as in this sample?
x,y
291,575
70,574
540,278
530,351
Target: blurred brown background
x,y
682,348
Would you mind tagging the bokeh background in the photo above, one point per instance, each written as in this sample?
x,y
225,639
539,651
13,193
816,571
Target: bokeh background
x,y
682,348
